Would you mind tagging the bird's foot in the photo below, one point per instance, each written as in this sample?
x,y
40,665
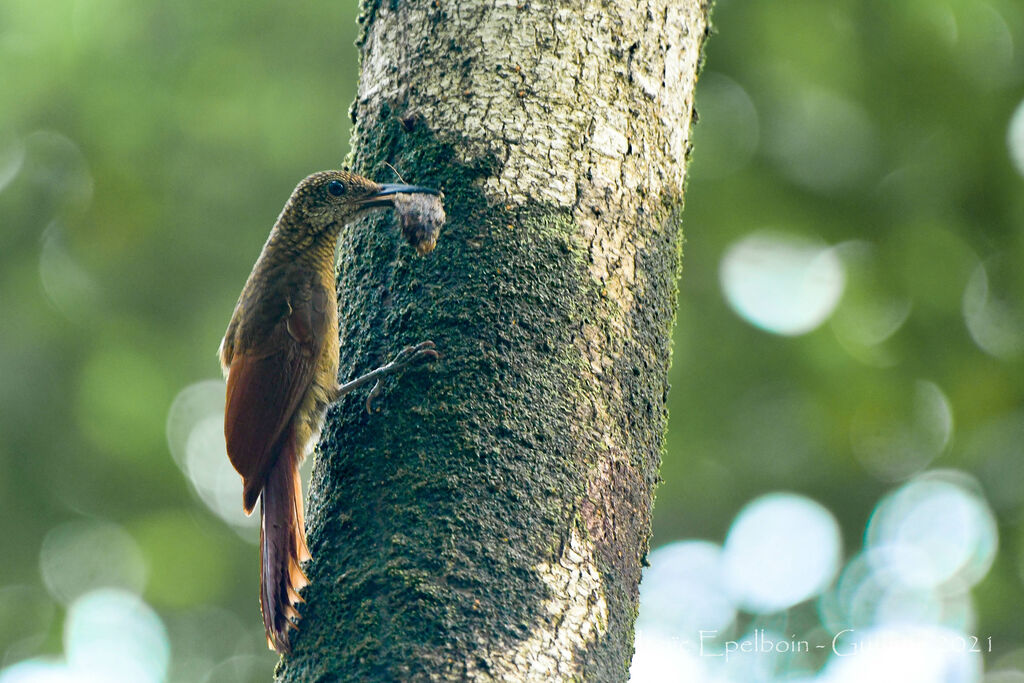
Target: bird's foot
x,y
406,357
410,355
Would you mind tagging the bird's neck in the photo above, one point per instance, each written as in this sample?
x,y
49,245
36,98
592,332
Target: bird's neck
x,y
301,244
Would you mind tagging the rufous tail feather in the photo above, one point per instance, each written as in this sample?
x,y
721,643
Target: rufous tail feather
x,y
282,548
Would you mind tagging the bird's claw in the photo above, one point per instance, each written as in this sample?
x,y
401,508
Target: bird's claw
x,y
372,396
404,358
413,354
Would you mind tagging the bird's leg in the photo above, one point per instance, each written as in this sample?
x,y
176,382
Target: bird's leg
x,y
405,358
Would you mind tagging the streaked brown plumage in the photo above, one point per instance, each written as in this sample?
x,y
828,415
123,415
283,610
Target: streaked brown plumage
x,y
280,356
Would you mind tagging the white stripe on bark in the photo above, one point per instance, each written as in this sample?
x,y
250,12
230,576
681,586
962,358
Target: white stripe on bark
x,y
575,614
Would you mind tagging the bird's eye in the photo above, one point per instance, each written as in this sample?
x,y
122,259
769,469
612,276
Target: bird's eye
x,y
336,188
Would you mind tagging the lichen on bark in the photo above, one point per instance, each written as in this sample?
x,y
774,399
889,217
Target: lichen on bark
x,y
490,520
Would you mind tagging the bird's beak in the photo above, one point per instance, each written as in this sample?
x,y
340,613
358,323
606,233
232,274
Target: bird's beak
x,y
385,195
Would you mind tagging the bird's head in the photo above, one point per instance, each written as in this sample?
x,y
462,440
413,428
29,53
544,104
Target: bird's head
x,y
327,200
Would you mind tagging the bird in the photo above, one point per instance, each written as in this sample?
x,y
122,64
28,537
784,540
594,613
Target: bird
x,y
280,357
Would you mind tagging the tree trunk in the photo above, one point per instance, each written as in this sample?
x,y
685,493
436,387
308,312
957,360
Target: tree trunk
x,y
489,520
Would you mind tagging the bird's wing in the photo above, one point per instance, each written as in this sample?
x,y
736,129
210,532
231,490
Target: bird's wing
x,y
266,383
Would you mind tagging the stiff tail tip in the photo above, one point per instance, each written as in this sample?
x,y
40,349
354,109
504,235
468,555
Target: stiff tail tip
x,y
282,551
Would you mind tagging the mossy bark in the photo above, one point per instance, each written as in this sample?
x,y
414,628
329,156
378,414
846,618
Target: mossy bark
x,y
490,519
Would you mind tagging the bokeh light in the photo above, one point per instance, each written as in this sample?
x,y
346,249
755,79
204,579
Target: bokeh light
x,y
683,591
895,436
821,140
26,619
68,286
995,319
44,670
209,636
1015,138
782,283
195,435
870,312
12,156
935,531
871,592
781,550
1004,676
56,168
116,637
110,636
984,43
659,658
902,604
83,555
907,654
997,445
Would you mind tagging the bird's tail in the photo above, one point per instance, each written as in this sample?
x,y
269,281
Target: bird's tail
x,y
282,548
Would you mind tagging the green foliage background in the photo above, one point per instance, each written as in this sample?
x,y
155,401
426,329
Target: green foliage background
x,y
146,148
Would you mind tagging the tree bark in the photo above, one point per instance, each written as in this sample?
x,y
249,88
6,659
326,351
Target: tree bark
x,y
490,519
